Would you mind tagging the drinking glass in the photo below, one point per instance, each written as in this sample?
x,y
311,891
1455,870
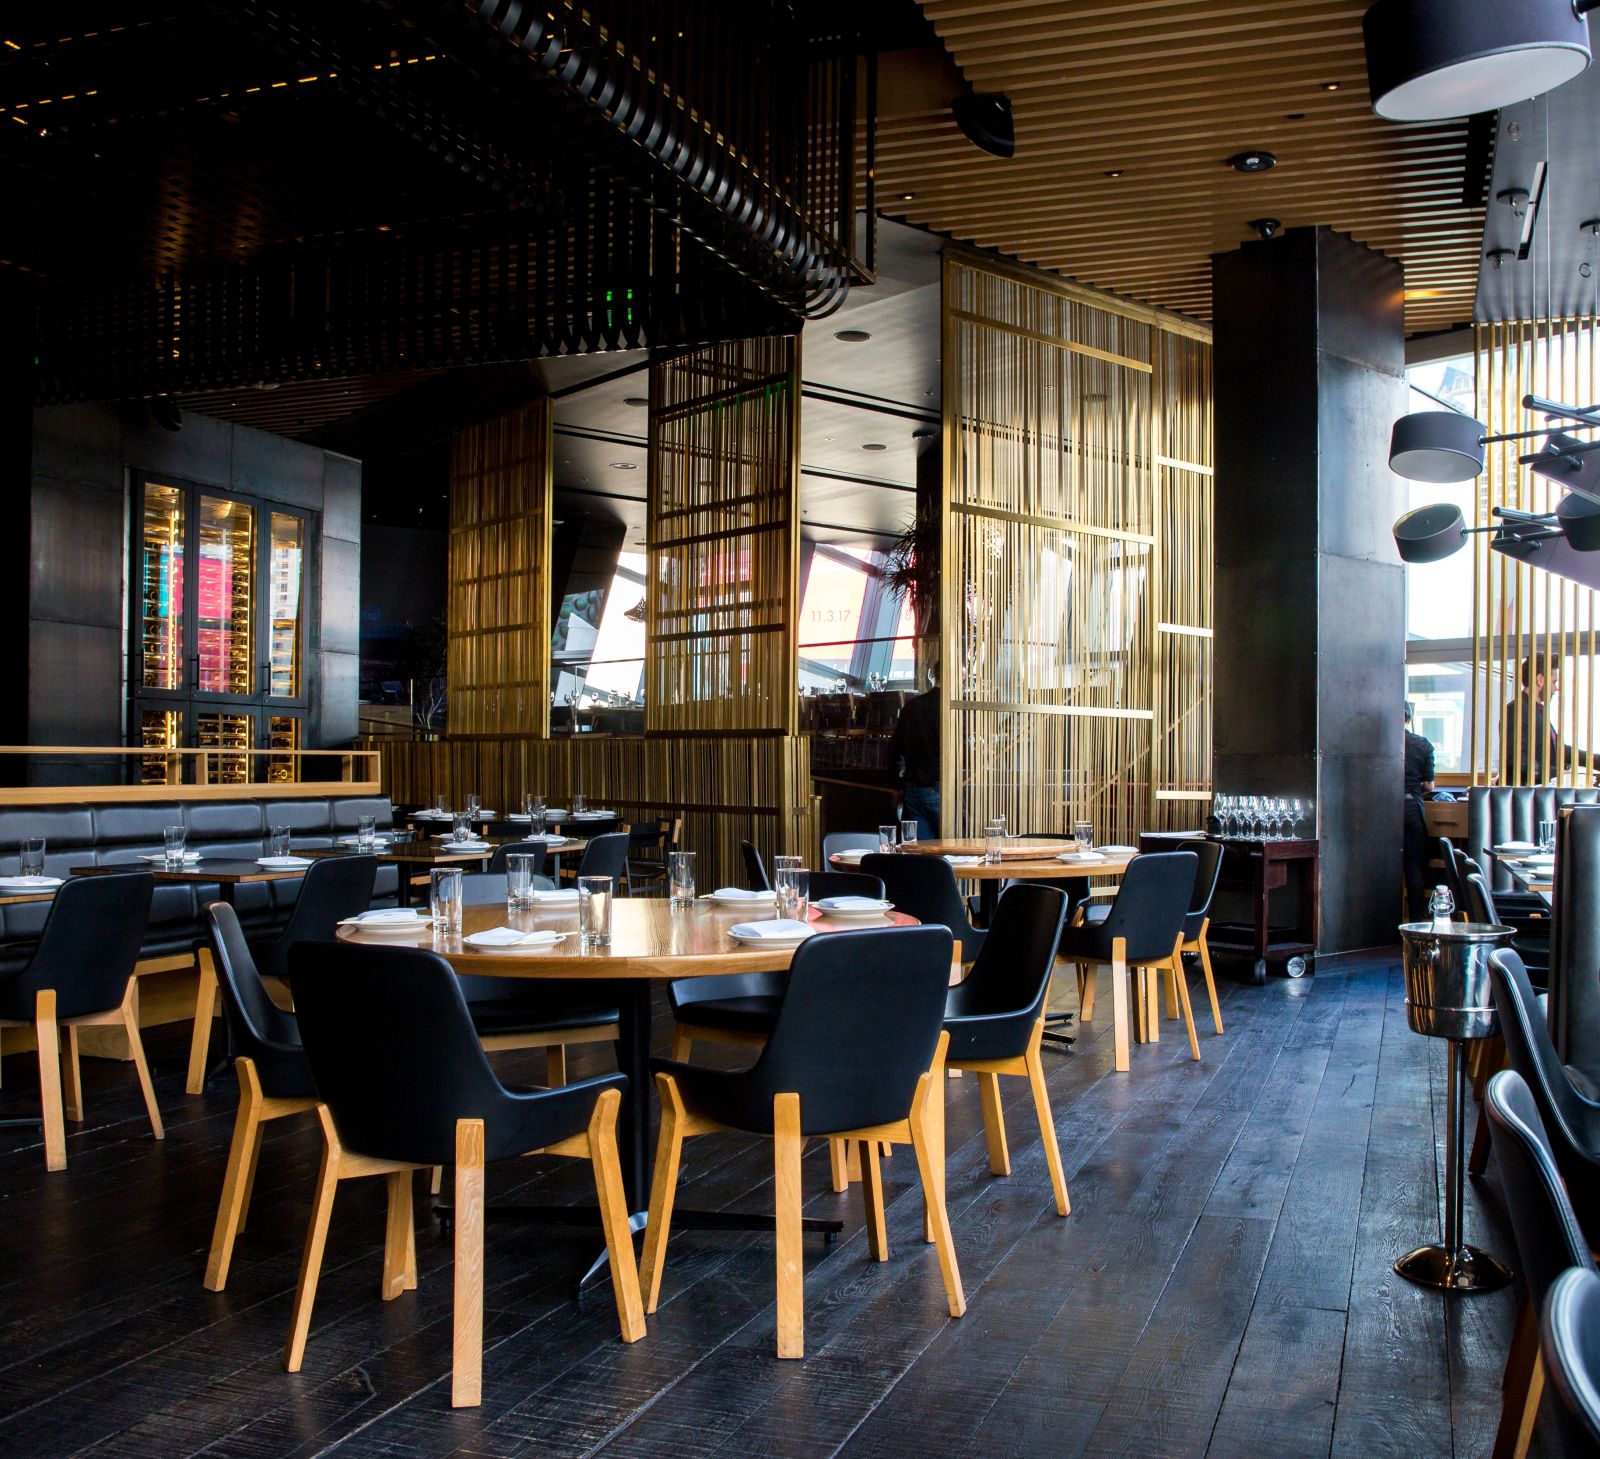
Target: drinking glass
x,y
580,802
174,837
31,858
888,837
472,804
533,808
460,827
792,885
1083,834
594,911
278,841
994,837
908,833
519,880
441,805
1547,836
680,878
366,832
444,898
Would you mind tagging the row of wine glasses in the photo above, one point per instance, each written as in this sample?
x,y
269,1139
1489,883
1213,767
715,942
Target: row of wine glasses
x,y
1262,817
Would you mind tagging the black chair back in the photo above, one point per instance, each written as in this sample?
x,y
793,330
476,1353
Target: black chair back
x,y
1549,1239
1151,904
395,1058
990,1014
607,856
334,888
1451,869
848,841
1571,1122
843,884
1569,1333
859,1024
755,871
535,848
1207,874
925,887
1575,940
1478,901
87,948
257,1028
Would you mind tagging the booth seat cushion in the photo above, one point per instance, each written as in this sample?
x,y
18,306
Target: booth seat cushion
x,y
1497,813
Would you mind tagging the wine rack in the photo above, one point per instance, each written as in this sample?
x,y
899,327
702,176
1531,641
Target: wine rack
x,y
159,729
227,579
283,734
229,733
286,565
161,588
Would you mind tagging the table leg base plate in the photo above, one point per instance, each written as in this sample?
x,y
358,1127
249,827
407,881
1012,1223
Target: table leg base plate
x,y
1465,1270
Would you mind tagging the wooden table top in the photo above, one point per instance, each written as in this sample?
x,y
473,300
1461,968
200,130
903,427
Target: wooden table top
x,y
44,894
217,869
428,852
1012,868
649,939
1542,881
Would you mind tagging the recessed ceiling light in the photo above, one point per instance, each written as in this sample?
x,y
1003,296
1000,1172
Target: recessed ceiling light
x,y
852,336
624,465
1331,85
1255,160
908,197
637,401
874,446
1114,172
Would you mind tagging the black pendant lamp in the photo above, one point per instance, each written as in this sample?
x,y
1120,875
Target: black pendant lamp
x,y
1437,445
1431,59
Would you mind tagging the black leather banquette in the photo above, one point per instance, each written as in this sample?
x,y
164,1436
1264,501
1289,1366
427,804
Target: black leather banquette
x,y
116,834
1497,813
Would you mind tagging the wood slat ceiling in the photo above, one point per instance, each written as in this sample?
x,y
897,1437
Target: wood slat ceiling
x,y
1164,91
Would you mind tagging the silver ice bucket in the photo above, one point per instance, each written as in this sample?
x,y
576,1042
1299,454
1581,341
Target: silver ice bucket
x,y
1447,978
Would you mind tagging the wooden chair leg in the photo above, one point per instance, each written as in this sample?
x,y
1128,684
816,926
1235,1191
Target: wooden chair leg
x,y
48,1040
935,1122
436,1180
1172,990
1152,1004
1205,967
852,1162
316,1240
994,1124
399,1238
1180,986
839,1164
682,1046
205,1009
1522,1386
555,1066
614,1214
1047,1125
250,1178
130,1021
466,1366
1088,977
1119,1005
872,1196
663,1188
933,1196
236,1182
787,1144
71,1077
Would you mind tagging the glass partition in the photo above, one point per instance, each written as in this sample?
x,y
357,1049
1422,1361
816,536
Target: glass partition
x,y
225,588
161,587
286,569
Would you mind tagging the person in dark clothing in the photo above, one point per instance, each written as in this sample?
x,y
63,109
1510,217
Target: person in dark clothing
x,y
1418,783
914,754
1534,752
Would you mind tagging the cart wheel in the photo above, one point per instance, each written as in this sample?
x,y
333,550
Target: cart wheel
x,y
1297,967
1258,974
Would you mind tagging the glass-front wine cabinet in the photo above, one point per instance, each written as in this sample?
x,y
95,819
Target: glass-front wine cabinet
x,y
218,648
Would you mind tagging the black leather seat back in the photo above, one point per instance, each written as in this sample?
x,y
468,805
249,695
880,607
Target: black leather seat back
x,y
1497,813
1569,1333
91,941
1575,940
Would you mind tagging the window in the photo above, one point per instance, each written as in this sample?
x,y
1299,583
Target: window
x,y
1439,594
855,631
597,647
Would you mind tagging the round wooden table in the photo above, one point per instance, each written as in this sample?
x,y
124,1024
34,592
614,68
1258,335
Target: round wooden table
x,y
650,940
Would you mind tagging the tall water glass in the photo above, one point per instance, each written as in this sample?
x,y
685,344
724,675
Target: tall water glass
x,y
580,802
888,837
366,832
460,827
1083,834
472,804
594,911
792,885
278,841
173,838
444,898
1547,836
680,878
994,837
31,858
441,805
519,880
533,808
908,833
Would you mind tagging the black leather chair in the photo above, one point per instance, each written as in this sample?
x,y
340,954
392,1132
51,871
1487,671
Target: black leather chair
x,y
1142,934
334,888
405,1085
536,848
822,884
1575,942
995,1017
80,975
755,871
1570,1342
1571,1121
847,841
925,887
274,1078
1549,1241
855,1054
483,888
607,856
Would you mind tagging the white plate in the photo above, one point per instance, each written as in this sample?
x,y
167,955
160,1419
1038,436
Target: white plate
x,y
1118,850
754,899
794,934
1515,848
853,906
555,813
594,815
507,938
853,916
964,860
390,927
466,847
1080,858
282,863
852,856
13,884
561,897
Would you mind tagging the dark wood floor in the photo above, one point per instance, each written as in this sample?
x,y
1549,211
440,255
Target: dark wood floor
x,y
1223,1285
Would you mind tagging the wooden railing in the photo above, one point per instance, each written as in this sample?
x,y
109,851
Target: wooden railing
x,y
188,774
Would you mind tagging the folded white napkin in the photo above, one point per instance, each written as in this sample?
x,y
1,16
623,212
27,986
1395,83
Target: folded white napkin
x,y
447,845
283,861
740,894
162,856
564,894
389,914
1511,848
1118,850
853,904
780,929
511,937
1071,856
34,883
964,860
554,813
